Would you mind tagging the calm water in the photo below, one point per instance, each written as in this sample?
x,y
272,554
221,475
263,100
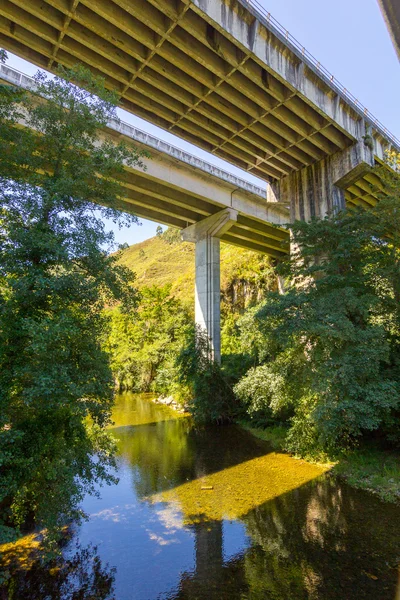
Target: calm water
x,y
214,514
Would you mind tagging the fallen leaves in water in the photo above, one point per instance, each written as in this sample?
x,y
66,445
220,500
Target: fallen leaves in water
x,y
374,577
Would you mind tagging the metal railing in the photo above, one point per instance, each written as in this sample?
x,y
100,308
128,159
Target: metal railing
x,y
283,34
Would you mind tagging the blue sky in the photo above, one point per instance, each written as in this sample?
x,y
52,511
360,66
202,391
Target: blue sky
x,y
348,37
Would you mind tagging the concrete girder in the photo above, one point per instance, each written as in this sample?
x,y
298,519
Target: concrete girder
x,y
367,199
229,239
375,181
268,243
173,197
144,212
162,206
369,187
362,188
352,201
274,233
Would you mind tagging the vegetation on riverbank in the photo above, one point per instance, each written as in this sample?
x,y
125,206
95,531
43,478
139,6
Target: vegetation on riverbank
x,y
369,467
373,469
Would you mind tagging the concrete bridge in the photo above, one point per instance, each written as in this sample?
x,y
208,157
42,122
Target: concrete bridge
x,y
391,13
224,75
207,203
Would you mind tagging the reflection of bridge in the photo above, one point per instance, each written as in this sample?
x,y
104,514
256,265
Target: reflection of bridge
x,y
228,78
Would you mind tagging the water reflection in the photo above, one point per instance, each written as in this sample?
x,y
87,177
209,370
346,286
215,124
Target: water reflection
x,y
265,527
301,535
79,575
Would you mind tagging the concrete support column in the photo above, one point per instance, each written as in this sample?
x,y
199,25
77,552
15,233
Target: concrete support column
x,y
319,189
206,235
207,291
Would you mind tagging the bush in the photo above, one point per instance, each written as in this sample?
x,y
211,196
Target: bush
x,y
212,398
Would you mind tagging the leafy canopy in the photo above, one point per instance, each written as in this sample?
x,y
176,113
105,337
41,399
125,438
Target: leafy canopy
x,y
143,345
58,180
329,348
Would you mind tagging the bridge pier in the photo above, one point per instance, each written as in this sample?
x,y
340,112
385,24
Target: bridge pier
x,y
319,189
206,235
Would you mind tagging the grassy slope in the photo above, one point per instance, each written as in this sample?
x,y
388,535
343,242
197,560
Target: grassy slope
x,y
156,262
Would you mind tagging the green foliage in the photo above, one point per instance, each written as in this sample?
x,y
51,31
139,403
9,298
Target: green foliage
x,y
212,397
143,345
246,278
261,391
275,435
374,469
56,385
171,236
329,348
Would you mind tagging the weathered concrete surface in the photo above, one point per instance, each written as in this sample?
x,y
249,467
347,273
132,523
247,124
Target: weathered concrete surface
x,y
391,13
206,235
216,72
320,188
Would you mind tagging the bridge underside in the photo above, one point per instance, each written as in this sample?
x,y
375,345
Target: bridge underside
x,y
217,74
391,12
179,190
154,202
176,67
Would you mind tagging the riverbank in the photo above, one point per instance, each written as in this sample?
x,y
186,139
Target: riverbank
x,y
368,468
171,403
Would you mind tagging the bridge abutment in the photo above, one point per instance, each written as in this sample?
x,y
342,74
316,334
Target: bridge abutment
x,y
206,235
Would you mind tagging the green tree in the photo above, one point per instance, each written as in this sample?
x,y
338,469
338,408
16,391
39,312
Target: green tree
x,y
210,392
55,278
329,348
144,345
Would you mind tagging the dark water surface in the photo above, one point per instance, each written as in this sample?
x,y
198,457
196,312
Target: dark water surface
x,y
214,514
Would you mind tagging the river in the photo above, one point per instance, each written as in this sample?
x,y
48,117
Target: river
x,y
215,514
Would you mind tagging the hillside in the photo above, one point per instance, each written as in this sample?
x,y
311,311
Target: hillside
x,y
163,260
